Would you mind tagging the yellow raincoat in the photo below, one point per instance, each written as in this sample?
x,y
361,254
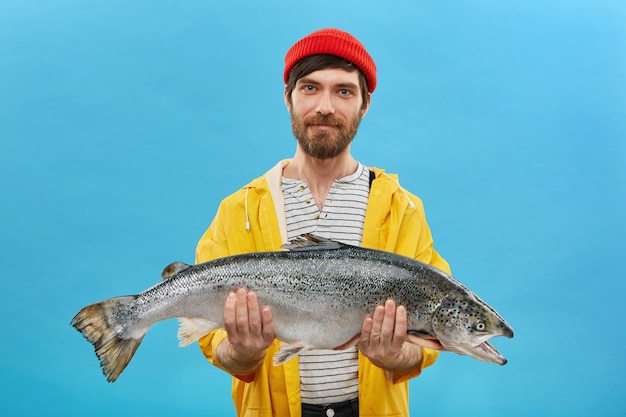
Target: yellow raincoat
x,y
253,219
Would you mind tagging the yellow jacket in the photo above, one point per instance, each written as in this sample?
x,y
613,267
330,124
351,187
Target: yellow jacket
x,y
251,220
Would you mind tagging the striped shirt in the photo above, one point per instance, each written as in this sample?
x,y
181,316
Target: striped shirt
x,y
329,376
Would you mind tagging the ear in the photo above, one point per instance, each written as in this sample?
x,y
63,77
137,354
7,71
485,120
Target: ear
x,y
366,107
286,98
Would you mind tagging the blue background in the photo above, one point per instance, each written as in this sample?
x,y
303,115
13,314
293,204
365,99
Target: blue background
x,y
123,124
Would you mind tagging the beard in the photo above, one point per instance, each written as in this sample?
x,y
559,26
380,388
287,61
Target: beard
x,y
324,144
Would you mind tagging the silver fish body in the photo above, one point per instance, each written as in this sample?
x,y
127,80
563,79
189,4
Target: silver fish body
x,y
319,292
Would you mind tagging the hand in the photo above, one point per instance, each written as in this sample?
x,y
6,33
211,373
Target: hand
x,y
383,335
250,332
401,320
384,339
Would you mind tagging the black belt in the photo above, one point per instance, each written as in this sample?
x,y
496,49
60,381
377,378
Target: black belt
x,y
348,408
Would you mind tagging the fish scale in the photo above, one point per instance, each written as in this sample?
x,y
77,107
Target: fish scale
x,y
319,292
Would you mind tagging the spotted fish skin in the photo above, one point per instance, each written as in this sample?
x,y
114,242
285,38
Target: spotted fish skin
x,y
319,292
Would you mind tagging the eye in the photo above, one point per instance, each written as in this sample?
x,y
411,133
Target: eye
x,y
480,326
308,88
345,92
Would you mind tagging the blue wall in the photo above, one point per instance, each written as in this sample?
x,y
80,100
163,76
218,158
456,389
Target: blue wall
x,y
123,124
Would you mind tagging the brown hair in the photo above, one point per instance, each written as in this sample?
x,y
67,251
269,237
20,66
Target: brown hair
x,y
318,62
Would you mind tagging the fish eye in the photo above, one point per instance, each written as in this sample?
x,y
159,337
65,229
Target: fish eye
x,y
480,326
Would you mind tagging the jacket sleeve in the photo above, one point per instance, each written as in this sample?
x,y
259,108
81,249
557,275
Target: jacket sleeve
x,y
227,236
396,222
425,250
212,245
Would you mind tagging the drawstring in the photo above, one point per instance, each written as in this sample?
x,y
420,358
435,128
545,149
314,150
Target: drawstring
x,y
411,204
246,209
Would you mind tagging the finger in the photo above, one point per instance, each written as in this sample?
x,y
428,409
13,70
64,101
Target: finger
x,y
377,324
366,330
230,323
254,314
388,322
268,324
401,326
241,312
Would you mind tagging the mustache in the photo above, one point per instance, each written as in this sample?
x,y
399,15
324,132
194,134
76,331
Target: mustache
x,y
327,119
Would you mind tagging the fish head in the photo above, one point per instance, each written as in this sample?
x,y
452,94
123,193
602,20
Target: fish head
x,y
463,324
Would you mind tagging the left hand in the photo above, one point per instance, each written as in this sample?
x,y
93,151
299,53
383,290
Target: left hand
x,y
383,335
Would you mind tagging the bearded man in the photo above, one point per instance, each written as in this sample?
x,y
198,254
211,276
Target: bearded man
x,y
330,78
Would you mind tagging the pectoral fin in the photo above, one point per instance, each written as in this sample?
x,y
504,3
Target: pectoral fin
x,y
192,329
287,351
310,241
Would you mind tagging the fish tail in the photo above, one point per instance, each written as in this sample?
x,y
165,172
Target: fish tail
x,y
113,351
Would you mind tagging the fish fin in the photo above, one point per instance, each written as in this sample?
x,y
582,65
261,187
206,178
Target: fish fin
x,y
113,351
311,242
192,329
173,269
287,351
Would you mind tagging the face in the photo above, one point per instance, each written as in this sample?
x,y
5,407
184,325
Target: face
x,y
326,108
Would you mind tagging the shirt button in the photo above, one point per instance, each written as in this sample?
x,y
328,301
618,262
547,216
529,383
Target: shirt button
x,y
330,412
316,216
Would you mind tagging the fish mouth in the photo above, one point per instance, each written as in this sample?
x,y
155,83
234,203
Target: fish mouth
x,y
488,351
478,348
483,350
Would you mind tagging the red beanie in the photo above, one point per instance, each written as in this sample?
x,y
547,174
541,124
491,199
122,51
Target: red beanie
x,y
333,42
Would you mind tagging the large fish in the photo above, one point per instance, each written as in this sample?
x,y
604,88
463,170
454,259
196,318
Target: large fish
x,y
319,292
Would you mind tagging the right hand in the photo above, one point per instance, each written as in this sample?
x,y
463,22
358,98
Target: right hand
x,y
250,329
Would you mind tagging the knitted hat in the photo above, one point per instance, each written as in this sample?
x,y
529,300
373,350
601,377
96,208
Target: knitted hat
x,y
333,42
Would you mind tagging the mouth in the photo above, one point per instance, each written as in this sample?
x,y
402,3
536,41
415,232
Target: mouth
x,y
479,348
488,351
483,350
323,127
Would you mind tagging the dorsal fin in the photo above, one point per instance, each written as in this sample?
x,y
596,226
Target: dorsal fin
x,y
173,269
311,242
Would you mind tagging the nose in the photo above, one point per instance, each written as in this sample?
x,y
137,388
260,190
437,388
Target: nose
x,y
325,104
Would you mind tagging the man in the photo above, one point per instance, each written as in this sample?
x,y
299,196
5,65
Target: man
x,y
329,79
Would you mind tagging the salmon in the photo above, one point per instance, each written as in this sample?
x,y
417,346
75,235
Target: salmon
x,y
319,292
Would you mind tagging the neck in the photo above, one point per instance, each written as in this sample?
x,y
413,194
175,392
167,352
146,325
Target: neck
x,y
319,174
